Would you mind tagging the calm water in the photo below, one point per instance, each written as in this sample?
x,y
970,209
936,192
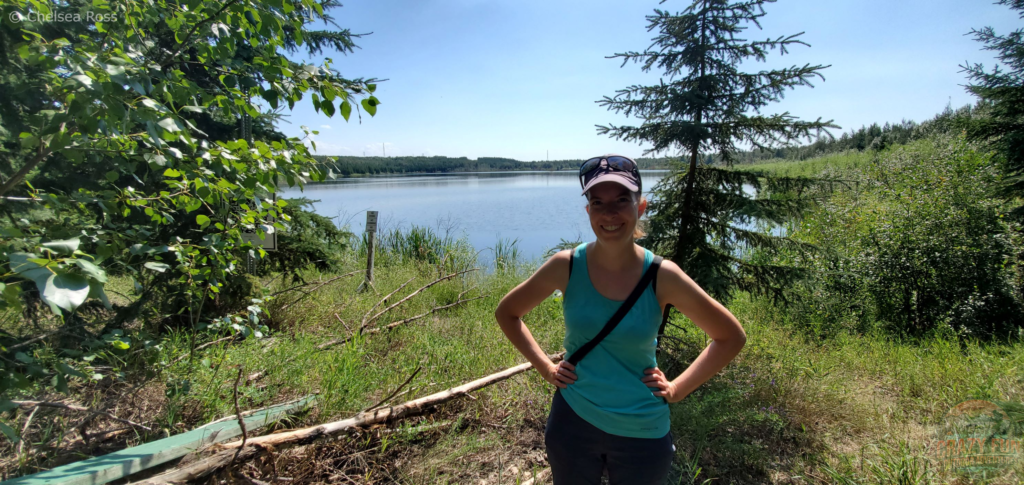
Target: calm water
x,y
537,208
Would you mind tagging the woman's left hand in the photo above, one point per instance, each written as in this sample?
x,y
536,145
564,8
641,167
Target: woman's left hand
x,y
660,385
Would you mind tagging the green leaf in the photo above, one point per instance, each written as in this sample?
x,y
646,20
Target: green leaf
x,y
202,220
371,88
169,124
11,232
82,79
65,290
60,382
172,173
370,108
112,176
24,358
66,246
96,291
346,110
6,405
71,371
9,433
155,266
92,270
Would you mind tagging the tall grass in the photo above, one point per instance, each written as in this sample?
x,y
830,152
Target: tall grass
x,y
507,255
837,163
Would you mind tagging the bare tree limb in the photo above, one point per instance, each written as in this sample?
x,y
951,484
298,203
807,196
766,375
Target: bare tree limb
x,y
343,323
224,458
24,429
391,325
45,335
321,285
41,154
382,401
203,346
238,412
72,407
382,300
403,300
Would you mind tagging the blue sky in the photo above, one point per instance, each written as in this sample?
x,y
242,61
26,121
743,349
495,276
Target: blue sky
x,y
519,79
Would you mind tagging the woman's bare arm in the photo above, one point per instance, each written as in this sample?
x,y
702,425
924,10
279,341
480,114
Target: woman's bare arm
x,y
552,275
728,337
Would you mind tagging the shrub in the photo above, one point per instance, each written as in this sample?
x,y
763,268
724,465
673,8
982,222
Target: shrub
x,y
919,244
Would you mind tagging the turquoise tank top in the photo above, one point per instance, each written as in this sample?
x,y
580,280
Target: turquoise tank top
x,y
608,392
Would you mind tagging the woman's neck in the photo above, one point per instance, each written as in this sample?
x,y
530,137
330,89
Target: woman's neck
x,y
615,257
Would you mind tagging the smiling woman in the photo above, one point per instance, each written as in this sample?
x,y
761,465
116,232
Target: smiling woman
x,y
610,409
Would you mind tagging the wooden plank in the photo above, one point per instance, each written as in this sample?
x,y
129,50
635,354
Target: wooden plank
x,y
119,464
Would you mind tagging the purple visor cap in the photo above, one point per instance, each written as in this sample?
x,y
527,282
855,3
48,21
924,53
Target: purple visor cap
x,y
624,179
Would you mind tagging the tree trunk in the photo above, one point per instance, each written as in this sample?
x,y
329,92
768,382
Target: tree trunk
x,y
682,249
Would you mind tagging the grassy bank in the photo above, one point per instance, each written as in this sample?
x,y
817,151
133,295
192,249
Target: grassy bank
x,y
796,406
788,410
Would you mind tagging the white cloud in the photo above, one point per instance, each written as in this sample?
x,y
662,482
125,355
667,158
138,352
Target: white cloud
x,y
326,127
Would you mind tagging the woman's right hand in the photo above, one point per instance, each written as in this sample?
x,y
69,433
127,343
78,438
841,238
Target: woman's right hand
x,y
560,374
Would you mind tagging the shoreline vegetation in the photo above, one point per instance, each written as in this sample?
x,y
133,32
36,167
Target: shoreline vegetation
x,y
807,402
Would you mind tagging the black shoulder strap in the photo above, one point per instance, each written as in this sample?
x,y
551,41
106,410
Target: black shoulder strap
x,y
572,256
645,280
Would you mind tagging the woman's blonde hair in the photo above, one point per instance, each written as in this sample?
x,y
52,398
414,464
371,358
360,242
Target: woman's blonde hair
x,y
641,224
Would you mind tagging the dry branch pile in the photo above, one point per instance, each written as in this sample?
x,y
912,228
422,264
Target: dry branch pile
x,y
239,450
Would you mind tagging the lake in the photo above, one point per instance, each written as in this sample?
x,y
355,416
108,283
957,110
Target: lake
x,y
537,208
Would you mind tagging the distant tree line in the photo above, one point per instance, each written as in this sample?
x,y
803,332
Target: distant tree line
x,y
874,137
347,166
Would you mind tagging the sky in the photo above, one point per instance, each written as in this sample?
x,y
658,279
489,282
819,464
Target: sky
x,y
520,78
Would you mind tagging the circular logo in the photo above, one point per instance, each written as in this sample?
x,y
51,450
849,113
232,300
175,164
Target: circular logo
x,y
977,437
15,17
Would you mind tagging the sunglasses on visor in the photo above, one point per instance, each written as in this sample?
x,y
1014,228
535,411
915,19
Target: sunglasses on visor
x,y
621,164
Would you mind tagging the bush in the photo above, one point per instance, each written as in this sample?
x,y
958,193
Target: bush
x,y
920,244
307,239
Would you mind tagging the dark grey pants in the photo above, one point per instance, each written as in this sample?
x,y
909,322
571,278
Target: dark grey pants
x,y
579,452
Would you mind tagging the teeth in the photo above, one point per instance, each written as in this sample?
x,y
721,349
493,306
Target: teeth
x,y
611,228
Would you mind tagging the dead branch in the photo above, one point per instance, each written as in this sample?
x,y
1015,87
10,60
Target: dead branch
x,y
382,401
391,325
540,477
24,429
321,285
45,335
403,300
203,346
72,407
224,458
343,323
382,300
238,412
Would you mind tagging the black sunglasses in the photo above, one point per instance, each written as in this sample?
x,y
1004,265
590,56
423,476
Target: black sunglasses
x,y
621,164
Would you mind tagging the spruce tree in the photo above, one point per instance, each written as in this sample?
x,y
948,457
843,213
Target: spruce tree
x,y
1003,87
701,216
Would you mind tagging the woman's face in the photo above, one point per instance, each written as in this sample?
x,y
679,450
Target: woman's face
x,y
613,212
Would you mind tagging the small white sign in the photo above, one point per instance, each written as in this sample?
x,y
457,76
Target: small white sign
x,y
371,221
269,242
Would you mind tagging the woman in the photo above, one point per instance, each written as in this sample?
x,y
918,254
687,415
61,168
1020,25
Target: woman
x,y
611,411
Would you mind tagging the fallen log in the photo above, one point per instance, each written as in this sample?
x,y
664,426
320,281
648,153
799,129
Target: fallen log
x,y
234,450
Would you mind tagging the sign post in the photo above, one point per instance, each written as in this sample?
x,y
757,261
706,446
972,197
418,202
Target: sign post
x,y
371,230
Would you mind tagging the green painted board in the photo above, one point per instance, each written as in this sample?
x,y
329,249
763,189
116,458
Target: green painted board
x,y
119,464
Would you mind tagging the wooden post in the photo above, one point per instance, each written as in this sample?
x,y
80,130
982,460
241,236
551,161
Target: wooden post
x,y
371,230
